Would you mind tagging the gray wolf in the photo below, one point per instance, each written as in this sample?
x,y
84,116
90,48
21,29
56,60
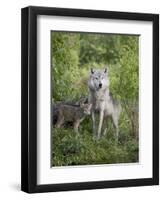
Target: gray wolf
x,y
102,101
56,105
73,113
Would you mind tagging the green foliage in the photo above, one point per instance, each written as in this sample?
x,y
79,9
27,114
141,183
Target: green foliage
x,y
124,74
70,149
73,54
65,50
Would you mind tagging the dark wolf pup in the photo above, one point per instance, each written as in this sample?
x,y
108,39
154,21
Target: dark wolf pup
x,y
73,113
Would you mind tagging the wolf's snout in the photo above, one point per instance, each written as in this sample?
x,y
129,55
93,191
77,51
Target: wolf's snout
x,y
100,85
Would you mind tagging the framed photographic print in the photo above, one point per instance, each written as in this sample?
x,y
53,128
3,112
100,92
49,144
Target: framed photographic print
x,y
90,99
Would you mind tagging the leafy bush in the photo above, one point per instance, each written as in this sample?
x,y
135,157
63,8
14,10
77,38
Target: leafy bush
x,y
70,149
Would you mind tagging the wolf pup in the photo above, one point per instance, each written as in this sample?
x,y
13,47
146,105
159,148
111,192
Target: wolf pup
x,y
102,101
73,113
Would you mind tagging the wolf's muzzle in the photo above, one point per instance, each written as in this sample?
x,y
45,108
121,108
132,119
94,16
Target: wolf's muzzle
x,y
100,85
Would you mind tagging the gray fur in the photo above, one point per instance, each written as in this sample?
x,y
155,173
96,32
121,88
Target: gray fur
x,y
71,113
102,101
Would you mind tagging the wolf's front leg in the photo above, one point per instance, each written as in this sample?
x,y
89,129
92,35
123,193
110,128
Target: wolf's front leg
x,y
60,121
100,124
94,123
76,126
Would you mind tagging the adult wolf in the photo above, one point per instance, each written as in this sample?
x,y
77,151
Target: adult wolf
x,y
102,101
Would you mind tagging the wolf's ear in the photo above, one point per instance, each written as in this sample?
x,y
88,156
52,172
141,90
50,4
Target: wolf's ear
x,y
106,70
92,70
81,101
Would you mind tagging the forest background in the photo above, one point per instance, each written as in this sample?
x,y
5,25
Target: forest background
x,y
73,55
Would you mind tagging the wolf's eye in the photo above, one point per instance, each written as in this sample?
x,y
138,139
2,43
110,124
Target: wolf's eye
x,y
96,78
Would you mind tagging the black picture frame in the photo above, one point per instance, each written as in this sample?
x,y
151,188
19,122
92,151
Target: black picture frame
x,y
29,99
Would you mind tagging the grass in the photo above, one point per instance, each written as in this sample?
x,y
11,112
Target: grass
x,y
69,149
